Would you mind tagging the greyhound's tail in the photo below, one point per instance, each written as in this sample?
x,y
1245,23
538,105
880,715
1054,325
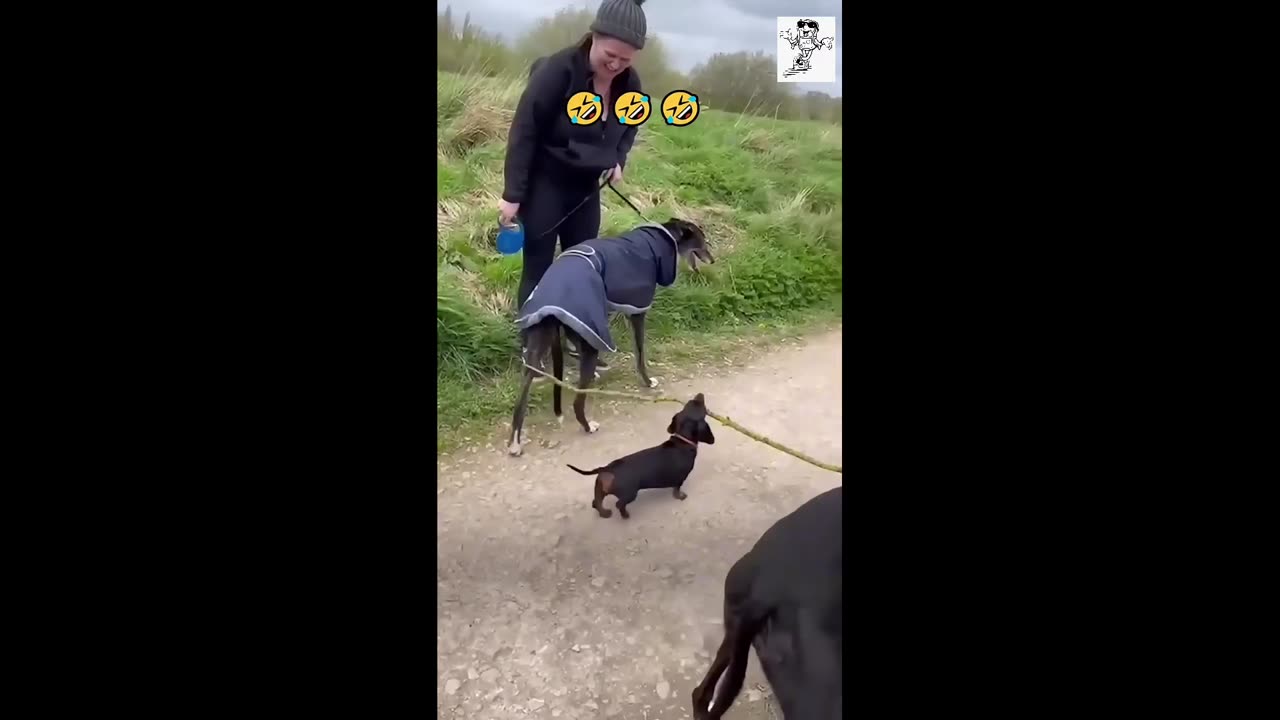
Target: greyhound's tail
x,y
585,472
557,367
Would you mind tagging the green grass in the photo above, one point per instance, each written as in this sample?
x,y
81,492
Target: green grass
x,y
767,193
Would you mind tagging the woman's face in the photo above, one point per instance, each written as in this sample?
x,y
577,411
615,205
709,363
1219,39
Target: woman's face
x,y
610,56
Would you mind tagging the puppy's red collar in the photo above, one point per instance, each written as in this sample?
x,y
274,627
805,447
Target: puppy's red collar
x,y
678,435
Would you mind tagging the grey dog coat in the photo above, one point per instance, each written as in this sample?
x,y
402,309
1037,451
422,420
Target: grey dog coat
x,y
588,280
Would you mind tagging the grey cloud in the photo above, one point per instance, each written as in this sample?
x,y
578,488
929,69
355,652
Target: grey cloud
x,y
692,31
774,8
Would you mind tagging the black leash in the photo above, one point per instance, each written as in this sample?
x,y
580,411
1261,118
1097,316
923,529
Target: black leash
x,y
604,182
625,200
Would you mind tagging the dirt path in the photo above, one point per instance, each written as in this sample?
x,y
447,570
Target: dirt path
x,y
547,610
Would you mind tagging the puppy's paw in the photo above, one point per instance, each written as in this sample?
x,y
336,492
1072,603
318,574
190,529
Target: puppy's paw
x,y
653,382
515,448
592,426
560,419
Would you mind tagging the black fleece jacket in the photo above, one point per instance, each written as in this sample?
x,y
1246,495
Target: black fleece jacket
x,y
543,139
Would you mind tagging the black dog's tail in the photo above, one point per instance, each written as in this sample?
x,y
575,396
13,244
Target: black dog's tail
x,y
586,472
739,639
743,620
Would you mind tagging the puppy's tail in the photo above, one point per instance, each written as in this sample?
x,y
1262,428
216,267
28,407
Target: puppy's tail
x,y
585,472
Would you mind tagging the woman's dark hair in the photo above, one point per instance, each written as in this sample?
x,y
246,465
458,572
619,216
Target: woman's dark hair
x,y
585,42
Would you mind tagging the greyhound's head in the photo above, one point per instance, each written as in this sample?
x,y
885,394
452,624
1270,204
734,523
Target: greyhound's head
x,y
691,243
691,422
808,28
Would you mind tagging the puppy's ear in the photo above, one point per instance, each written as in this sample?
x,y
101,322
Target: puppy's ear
x,y
671,429
704,433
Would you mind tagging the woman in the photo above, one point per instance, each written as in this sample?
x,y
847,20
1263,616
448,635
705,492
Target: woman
x,y
553,164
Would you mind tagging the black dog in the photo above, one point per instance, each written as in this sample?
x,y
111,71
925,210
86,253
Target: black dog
x,y
665,466
576,294
785,597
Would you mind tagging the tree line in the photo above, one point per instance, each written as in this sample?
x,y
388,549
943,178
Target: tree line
x,y
735,82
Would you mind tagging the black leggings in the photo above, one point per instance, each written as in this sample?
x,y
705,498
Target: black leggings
x,y
547,201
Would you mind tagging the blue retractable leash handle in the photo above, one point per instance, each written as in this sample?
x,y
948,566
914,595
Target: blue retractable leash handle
x,y
510,238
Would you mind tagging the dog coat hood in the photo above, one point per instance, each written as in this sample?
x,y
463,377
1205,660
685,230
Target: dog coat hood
x,y
619,274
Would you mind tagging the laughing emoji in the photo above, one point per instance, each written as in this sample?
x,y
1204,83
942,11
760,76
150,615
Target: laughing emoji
x,y
584,108
632,108
680,107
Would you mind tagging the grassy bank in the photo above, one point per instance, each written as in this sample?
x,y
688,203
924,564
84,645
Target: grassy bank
x,y
766,192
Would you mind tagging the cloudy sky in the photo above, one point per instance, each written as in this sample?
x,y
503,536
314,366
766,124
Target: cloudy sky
x,y
692,30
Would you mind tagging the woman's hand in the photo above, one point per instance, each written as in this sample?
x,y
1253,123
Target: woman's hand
x,y
507,211
616,177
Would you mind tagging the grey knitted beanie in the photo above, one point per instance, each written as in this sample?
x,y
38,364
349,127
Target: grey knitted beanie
x,y
622,19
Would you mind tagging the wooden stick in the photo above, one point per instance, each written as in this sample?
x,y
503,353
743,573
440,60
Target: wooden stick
x,y
723,420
